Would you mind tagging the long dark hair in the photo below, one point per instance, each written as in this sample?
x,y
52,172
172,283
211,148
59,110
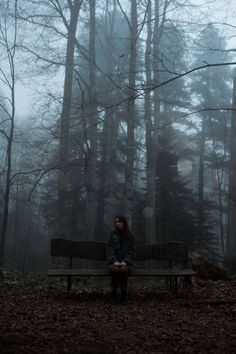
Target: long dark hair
x,y
125,233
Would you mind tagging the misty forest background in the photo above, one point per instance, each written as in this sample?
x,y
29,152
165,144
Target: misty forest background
x,y
132,113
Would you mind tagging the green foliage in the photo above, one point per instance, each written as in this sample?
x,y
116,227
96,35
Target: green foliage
x,y
177,203
14,278
176,213
172,60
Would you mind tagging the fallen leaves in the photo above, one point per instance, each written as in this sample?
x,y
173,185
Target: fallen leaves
x,y
44,320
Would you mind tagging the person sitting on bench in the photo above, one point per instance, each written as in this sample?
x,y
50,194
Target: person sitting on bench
x,y
120,257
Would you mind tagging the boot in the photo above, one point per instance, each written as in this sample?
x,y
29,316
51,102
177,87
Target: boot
x,y
123,297
114,298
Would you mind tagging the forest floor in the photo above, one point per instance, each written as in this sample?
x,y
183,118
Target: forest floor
x,y
38,317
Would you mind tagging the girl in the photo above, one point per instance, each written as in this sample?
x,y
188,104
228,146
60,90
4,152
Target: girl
x,y
120,257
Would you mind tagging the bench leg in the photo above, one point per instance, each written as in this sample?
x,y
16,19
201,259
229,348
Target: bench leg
x,y
173,284
68,283
176,286
170,283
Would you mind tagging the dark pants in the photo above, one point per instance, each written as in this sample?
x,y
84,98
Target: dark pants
x,y
119,276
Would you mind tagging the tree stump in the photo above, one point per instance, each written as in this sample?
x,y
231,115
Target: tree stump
x,y
205,269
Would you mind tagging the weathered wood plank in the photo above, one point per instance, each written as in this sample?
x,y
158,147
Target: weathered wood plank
x,y
171,259
78,272
105,272
174,252
80,249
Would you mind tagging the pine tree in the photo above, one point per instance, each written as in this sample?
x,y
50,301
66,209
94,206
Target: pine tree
x,y
176,213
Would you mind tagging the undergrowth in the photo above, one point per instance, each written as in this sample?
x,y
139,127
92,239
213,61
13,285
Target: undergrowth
x,y
14,278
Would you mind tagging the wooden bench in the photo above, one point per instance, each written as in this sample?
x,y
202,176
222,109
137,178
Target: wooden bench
x,y
172,258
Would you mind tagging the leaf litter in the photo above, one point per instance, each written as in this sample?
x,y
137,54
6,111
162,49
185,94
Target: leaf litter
x,y
45,320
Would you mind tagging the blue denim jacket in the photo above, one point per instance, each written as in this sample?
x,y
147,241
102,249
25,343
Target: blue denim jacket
x,y
120,250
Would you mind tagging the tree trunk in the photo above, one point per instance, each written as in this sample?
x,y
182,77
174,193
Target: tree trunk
x,y
65,121
111,200
16,224
7,187
91,178
205,269
27,237
129,176
150,208
103,172
152,235
10,50
231,242
108,133
221,178
201,214
152,165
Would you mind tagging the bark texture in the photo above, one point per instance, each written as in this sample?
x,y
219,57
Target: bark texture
x,y
131,111
231,244
65,120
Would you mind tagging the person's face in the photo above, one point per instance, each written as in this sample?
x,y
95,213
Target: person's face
x,y
119,224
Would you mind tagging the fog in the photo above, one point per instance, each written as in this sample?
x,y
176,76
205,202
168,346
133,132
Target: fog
x,y
122,108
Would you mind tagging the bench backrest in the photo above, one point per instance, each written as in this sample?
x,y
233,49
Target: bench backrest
x,y
173,252
95,250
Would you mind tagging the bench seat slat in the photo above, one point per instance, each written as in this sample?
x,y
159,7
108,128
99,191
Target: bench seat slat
x,y
164,272
105,272
80,272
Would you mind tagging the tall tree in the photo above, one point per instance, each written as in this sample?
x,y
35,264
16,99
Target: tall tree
x,y
131,109
8,43
91,179
177,207
55,22
212,89
231,242
153,123
74,8
150,208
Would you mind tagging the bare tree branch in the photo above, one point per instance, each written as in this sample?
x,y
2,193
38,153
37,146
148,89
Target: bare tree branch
x,y
196,112
4,134
154,87
123,12
6,111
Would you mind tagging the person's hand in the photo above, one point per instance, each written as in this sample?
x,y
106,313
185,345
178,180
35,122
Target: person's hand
x,y
117,263
123,263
